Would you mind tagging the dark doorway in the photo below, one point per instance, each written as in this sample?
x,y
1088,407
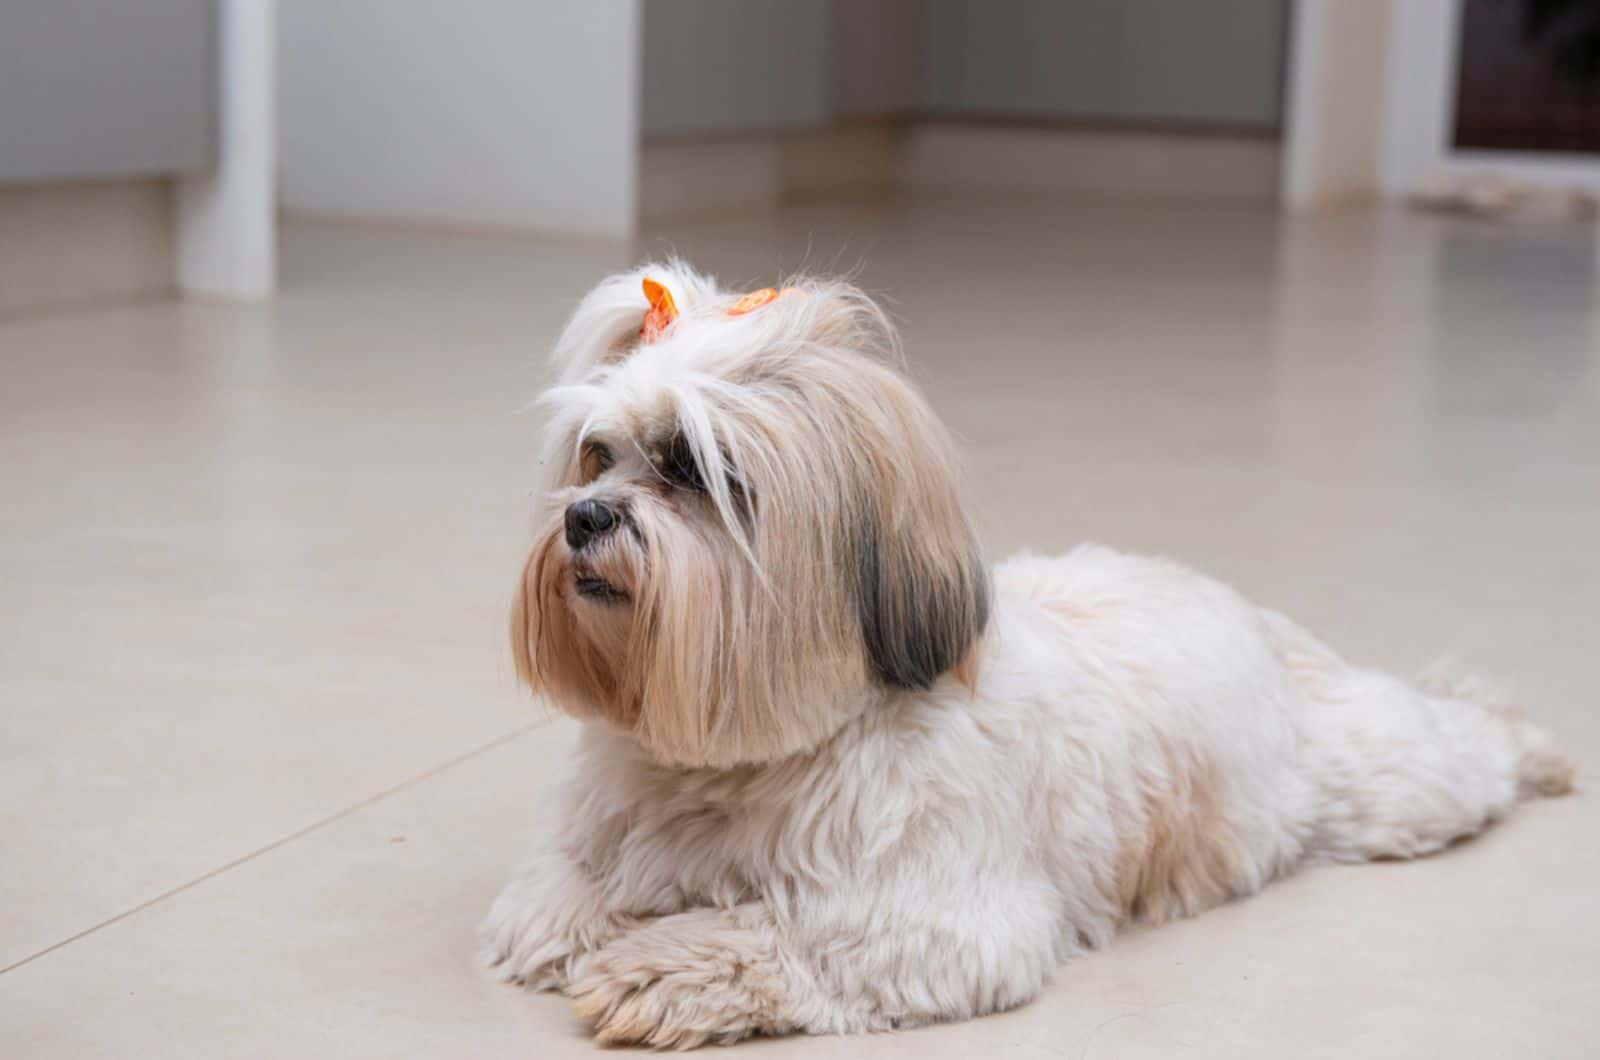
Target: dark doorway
x,y
1529,76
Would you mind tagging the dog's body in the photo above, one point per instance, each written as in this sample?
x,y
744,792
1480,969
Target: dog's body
x,y
1108,737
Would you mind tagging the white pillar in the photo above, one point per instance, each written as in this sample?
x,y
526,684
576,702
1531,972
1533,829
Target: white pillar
x,y
1333,138
226,221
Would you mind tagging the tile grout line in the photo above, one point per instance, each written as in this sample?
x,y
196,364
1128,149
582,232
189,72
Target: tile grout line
x,y
504,738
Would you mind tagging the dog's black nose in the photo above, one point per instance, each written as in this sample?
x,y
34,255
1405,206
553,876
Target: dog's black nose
x,y
587,520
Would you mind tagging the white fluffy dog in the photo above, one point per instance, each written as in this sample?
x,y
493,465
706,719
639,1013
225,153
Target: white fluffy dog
x,y
839,776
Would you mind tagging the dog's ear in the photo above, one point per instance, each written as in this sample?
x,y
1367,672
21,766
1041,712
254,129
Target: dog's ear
x,y
910,557
923,595
922,591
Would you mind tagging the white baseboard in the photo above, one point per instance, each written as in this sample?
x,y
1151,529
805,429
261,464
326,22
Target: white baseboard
x,y
74,244
844,160
1077,161
761,170
709,177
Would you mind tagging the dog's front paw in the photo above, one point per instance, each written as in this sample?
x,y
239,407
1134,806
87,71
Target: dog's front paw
x,y
542,924
681,982
525,943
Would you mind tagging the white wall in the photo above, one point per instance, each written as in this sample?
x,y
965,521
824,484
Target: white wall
x,y
758,65
717,66
1157,61
516,113
90,90
879,51
729,65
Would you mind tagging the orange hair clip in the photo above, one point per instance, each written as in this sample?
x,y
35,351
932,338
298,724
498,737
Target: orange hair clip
x,y
755,300
663,310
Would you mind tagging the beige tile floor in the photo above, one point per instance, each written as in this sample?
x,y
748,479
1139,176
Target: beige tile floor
x,y
264,765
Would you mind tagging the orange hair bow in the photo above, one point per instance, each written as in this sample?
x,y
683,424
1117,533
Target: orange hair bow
x,y
663,310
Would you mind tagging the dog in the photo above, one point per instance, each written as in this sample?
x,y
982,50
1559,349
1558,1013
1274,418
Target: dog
x,y
836,774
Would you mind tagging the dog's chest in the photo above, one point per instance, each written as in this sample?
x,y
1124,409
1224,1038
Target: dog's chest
x,y
771,832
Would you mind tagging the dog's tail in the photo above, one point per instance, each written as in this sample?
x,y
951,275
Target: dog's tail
x,y
1542,768
1400,769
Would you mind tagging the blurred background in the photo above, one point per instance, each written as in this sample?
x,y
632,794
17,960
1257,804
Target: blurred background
x,y
169,136
1302,292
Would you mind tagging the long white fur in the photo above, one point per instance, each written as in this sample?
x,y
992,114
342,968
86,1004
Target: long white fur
x,y
1138,740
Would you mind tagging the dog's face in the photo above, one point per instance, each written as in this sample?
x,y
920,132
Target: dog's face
x,y
752,522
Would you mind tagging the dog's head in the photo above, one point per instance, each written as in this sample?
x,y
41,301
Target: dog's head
x,y
753,529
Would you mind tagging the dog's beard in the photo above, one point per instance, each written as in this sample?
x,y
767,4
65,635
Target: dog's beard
x,y
571,626
608,633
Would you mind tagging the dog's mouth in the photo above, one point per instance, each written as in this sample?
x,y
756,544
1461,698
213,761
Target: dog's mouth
x,y
592,587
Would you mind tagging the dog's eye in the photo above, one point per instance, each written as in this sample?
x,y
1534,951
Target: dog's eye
x,y
679,468
595,460
681,471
